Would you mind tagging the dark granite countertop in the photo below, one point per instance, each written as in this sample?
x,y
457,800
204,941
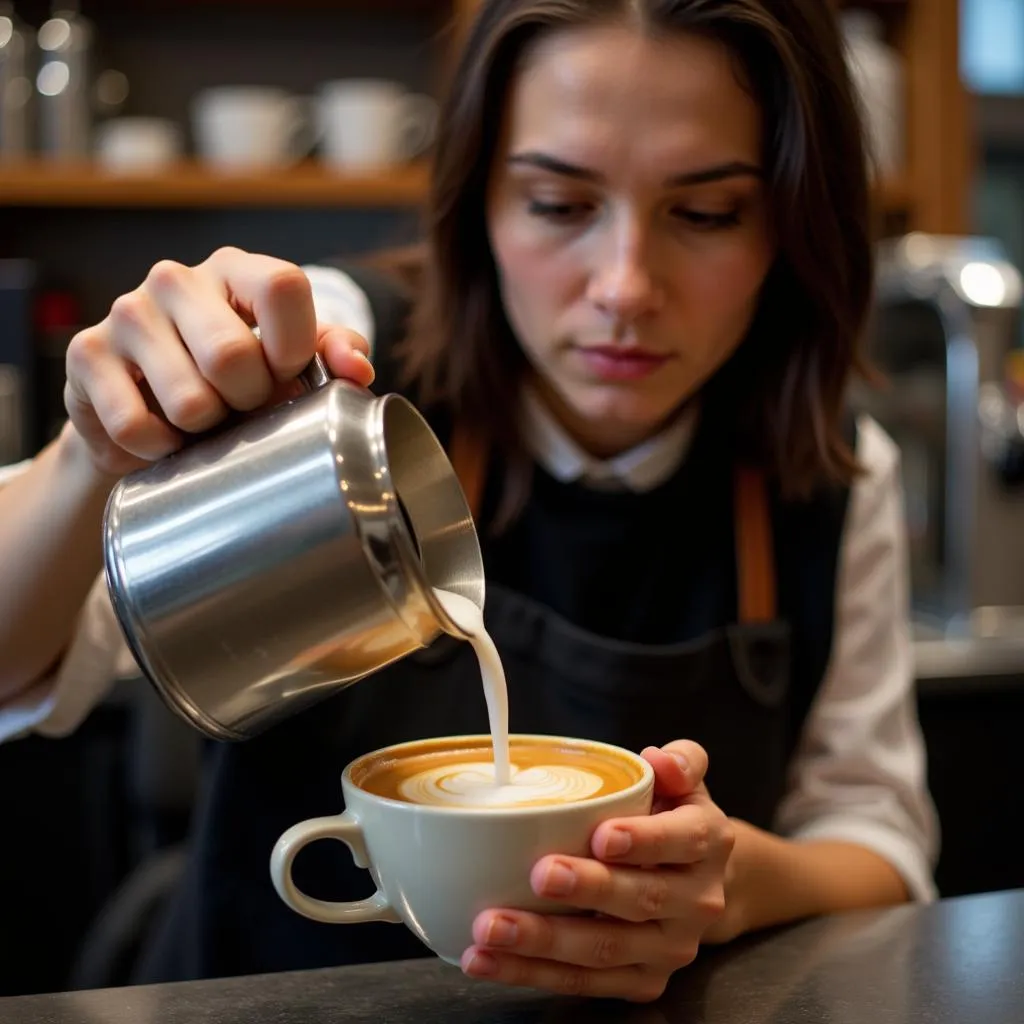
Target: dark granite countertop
x,y
958,961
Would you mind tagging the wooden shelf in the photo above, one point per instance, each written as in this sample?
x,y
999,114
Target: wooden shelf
x,y
192,185
35,11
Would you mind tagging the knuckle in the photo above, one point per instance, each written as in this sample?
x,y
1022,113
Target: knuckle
x,y
653,896
226,252
700,838
83,348
190,409
658,840
544,938
602,884
130,310
126,428
683,954
711,905
166,275
288,283
607,950
650,987
225,351
572,981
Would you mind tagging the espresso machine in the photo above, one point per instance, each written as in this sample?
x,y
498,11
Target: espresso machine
x,y
945,334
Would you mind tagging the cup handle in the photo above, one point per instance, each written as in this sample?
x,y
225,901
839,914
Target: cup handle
x,y
418,124
345,828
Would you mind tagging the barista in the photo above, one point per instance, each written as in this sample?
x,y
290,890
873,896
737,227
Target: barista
x,y
642,293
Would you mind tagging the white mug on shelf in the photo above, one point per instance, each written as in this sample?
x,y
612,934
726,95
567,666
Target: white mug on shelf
x,y
137,144
252,127
367,124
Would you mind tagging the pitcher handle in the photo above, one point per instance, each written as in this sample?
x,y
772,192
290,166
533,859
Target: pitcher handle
x,y
315,375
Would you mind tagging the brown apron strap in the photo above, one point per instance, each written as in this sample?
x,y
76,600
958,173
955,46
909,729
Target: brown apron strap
x,y
755,552
468,456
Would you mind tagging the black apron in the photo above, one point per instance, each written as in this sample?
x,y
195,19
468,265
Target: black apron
x,y
727,690
740,685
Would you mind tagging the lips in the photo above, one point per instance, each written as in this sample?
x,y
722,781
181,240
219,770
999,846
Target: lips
x,y
614,362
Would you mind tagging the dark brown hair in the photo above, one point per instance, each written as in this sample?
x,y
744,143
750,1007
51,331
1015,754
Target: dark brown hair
x,y
782,392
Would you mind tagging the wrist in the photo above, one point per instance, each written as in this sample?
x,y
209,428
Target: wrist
x,y
79,470
770,881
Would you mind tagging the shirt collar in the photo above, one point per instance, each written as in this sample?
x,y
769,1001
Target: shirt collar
x,y
639,469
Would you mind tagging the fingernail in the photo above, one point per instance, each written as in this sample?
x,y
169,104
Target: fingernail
x,y
502,932
619,842
682,762
559,880
481,965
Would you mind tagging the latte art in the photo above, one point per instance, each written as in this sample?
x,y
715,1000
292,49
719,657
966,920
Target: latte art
x,y
454,773
473,785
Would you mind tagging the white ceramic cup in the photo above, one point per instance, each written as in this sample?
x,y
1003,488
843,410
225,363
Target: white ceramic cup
x,y
436,868
130,144
367,124
243,127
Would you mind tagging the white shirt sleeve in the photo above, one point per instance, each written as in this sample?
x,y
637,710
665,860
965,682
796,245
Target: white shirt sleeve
x,y
859,772
98,656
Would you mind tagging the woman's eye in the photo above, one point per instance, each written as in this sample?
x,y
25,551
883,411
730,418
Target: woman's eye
x,y
704,220
560,212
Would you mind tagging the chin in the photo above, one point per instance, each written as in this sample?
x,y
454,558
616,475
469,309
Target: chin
x,y
632,405
632,412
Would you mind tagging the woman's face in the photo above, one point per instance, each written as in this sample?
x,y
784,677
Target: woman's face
x,y
626,214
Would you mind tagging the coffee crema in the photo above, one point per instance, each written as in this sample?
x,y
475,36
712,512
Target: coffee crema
x,y
541,774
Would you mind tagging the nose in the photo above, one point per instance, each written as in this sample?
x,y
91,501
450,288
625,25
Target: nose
x,y
623,285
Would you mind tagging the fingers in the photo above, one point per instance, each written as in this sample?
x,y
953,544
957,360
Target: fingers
x,y
206,332
277,296
628,893
584,941
636,984
679,767
107,408
346,354
685,835
145,338
176,354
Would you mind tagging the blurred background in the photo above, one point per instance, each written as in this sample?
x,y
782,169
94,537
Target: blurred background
x,y
133,130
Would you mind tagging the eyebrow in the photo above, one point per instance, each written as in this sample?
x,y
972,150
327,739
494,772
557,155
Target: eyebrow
x,y
702,176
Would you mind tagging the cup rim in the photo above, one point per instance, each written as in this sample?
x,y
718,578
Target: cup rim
x,y
645,782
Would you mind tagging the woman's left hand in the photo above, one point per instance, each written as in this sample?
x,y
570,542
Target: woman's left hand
x,y
656,883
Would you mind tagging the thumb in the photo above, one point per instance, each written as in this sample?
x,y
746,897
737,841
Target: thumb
x,y
346,353
679,767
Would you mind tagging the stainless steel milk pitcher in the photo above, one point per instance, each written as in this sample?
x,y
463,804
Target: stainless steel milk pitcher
x,y
264,567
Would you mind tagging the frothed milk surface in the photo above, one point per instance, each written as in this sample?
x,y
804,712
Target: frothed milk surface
x,y
447,773
473,785
470,619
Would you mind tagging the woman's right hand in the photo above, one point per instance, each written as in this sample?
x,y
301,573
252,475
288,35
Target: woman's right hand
x,y
175,355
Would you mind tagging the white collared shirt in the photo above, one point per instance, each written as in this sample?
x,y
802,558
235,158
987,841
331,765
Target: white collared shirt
x,y
640,469
859,771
